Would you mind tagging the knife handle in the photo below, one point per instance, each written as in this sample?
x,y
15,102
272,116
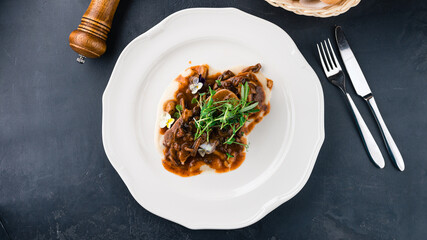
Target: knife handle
x,y
368,140
388,139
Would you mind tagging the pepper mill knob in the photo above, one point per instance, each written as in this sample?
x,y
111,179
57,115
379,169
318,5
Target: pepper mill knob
x,y
89,39
81,59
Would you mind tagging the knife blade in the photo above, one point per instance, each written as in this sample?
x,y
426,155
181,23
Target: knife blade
x,y
362,89
357,78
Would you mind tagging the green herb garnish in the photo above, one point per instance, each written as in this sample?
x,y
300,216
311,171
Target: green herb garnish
x,y
229,155
176,115
218,81
179,109
227,114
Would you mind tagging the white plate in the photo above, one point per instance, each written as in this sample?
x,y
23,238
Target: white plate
x,y
283,147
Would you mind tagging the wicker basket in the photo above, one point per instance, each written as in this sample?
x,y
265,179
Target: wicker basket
x,y
329,11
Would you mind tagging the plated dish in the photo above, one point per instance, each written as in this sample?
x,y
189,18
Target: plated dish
x,y
283,147
205,116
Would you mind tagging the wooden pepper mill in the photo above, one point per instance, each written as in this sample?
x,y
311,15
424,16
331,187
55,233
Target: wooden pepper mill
x,y
89,39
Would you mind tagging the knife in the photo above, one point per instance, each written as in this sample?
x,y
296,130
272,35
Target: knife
x,y
362,89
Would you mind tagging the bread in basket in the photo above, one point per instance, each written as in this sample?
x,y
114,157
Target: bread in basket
x,y
301,9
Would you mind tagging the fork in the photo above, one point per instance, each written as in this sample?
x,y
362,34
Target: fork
x,y
336,76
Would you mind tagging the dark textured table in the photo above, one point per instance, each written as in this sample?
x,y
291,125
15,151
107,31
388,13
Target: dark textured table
x,y
57,183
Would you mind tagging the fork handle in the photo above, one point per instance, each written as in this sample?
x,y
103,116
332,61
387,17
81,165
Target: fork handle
x,y
367,138
388,139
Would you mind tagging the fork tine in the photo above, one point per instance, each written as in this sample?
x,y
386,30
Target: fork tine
x,y
326,58
321,59
329,54
335,57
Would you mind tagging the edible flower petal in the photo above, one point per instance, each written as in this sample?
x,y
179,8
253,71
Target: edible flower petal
x,y
195,87
195,80
196,84
201,79
170,122
166,120
206,148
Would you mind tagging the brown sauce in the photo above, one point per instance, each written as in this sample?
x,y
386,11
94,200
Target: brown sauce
x,y
180,154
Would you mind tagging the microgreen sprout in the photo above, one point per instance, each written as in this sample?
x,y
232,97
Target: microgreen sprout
x,y
226,114
179,109
218,81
